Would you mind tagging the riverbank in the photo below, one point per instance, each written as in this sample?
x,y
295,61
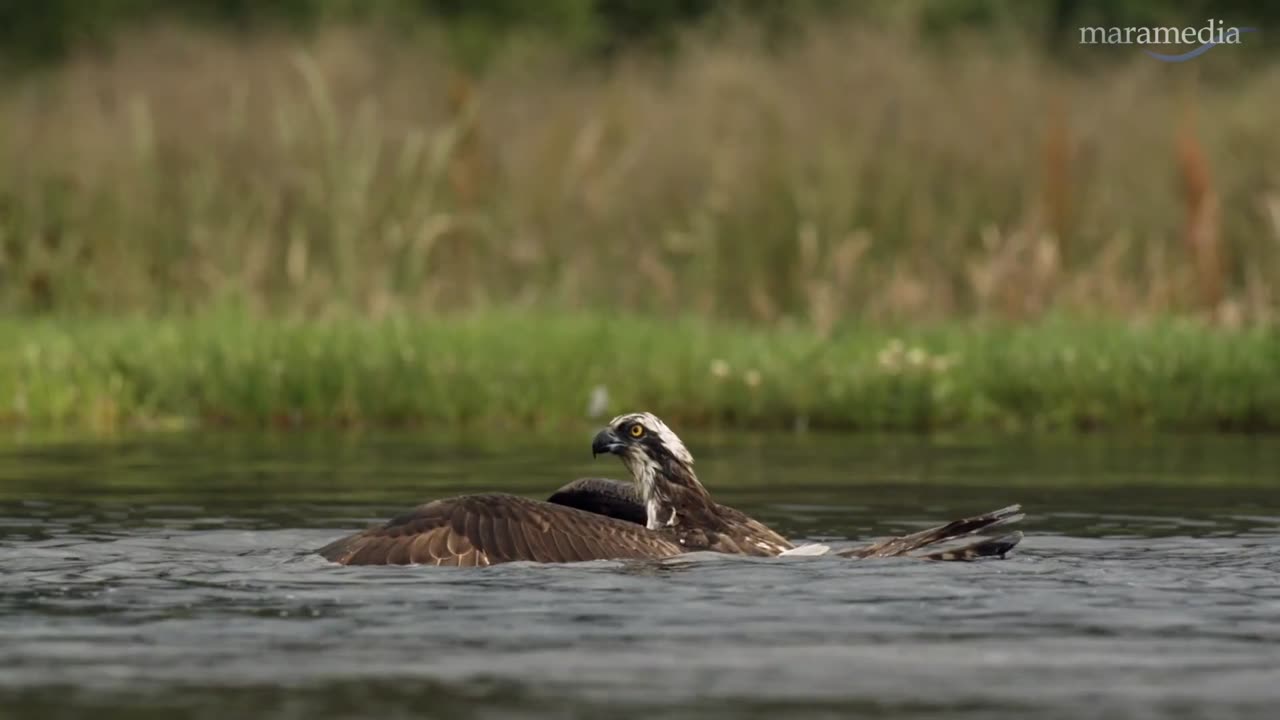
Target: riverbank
x,y
534,372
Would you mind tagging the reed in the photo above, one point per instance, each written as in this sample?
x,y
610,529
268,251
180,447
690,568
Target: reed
x,y
857,173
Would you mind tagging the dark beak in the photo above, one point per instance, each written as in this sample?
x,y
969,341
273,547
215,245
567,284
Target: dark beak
x,y
606,441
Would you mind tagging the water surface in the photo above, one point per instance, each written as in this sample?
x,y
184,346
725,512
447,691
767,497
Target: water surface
x,y
171,577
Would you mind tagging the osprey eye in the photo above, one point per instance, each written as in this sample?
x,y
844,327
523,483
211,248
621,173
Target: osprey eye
x,y
637,430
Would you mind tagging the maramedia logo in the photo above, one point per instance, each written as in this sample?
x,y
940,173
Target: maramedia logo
x,y
1213,33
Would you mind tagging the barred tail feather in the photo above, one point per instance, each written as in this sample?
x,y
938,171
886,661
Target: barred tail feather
x,y
988,547
953,530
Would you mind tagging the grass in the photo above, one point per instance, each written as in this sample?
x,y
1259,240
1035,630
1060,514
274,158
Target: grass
x,y
410,243
857,173
536,371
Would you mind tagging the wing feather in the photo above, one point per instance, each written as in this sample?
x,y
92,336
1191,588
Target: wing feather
x,y
471,526
503,547
603,496
399,552
438,543
541,547
372,553
457,543
563,547
581,546
483,531
519,545
476,530
418,548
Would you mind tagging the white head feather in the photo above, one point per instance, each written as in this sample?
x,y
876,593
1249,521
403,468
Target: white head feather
x,y
655,426
644,468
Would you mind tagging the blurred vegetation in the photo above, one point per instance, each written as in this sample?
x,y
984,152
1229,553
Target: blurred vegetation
x,y
856,174
537,372
745,188
50,30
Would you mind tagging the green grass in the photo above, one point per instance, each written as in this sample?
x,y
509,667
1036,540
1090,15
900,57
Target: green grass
x,y
535,372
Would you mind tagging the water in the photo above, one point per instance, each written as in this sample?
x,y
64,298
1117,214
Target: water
x,y
169,578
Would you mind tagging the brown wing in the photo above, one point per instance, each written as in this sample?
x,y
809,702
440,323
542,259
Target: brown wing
x,y
741,534
487,529
722,529
603,496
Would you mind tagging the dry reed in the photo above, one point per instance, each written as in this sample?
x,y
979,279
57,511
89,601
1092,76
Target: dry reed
x,y
857,174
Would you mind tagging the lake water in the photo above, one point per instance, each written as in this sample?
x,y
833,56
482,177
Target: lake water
x,y
169,578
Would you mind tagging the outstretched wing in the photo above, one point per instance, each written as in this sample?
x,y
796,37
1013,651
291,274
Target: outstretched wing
x,y
951,531
602,496
486,529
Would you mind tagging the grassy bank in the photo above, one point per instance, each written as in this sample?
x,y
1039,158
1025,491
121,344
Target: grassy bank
x,y
855,172
535,372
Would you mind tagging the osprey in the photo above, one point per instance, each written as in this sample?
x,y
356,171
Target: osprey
x,y
665,511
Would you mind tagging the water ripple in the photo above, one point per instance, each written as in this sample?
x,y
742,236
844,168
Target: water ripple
x,y
207,605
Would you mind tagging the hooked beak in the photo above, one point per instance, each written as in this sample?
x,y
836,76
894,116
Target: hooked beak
x,y
606,441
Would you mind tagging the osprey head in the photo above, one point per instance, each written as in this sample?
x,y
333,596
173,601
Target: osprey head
x,y
659,464
641,439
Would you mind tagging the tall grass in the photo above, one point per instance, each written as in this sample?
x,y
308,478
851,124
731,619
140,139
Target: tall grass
x,y
531,372
857,173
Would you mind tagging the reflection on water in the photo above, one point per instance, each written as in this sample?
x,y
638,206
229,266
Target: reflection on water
x,y
171,577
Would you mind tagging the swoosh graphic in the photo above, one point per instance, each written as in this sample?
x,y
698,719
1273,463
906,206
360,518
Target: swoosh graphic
x,y
1192,53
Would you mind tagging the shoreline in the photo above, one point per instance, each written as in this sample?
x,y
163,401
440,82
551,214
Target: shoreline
x,y
535,371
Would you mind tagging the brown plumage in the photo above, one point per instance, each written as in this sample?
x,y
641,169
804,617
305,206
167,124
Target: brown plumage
x,y
492,528
621,500
954,530
718,527
676,503
603,496
666,512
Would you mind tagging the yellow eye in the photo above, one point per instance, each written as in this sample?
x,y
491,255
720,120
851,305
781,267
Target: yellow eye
x,y
637,430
